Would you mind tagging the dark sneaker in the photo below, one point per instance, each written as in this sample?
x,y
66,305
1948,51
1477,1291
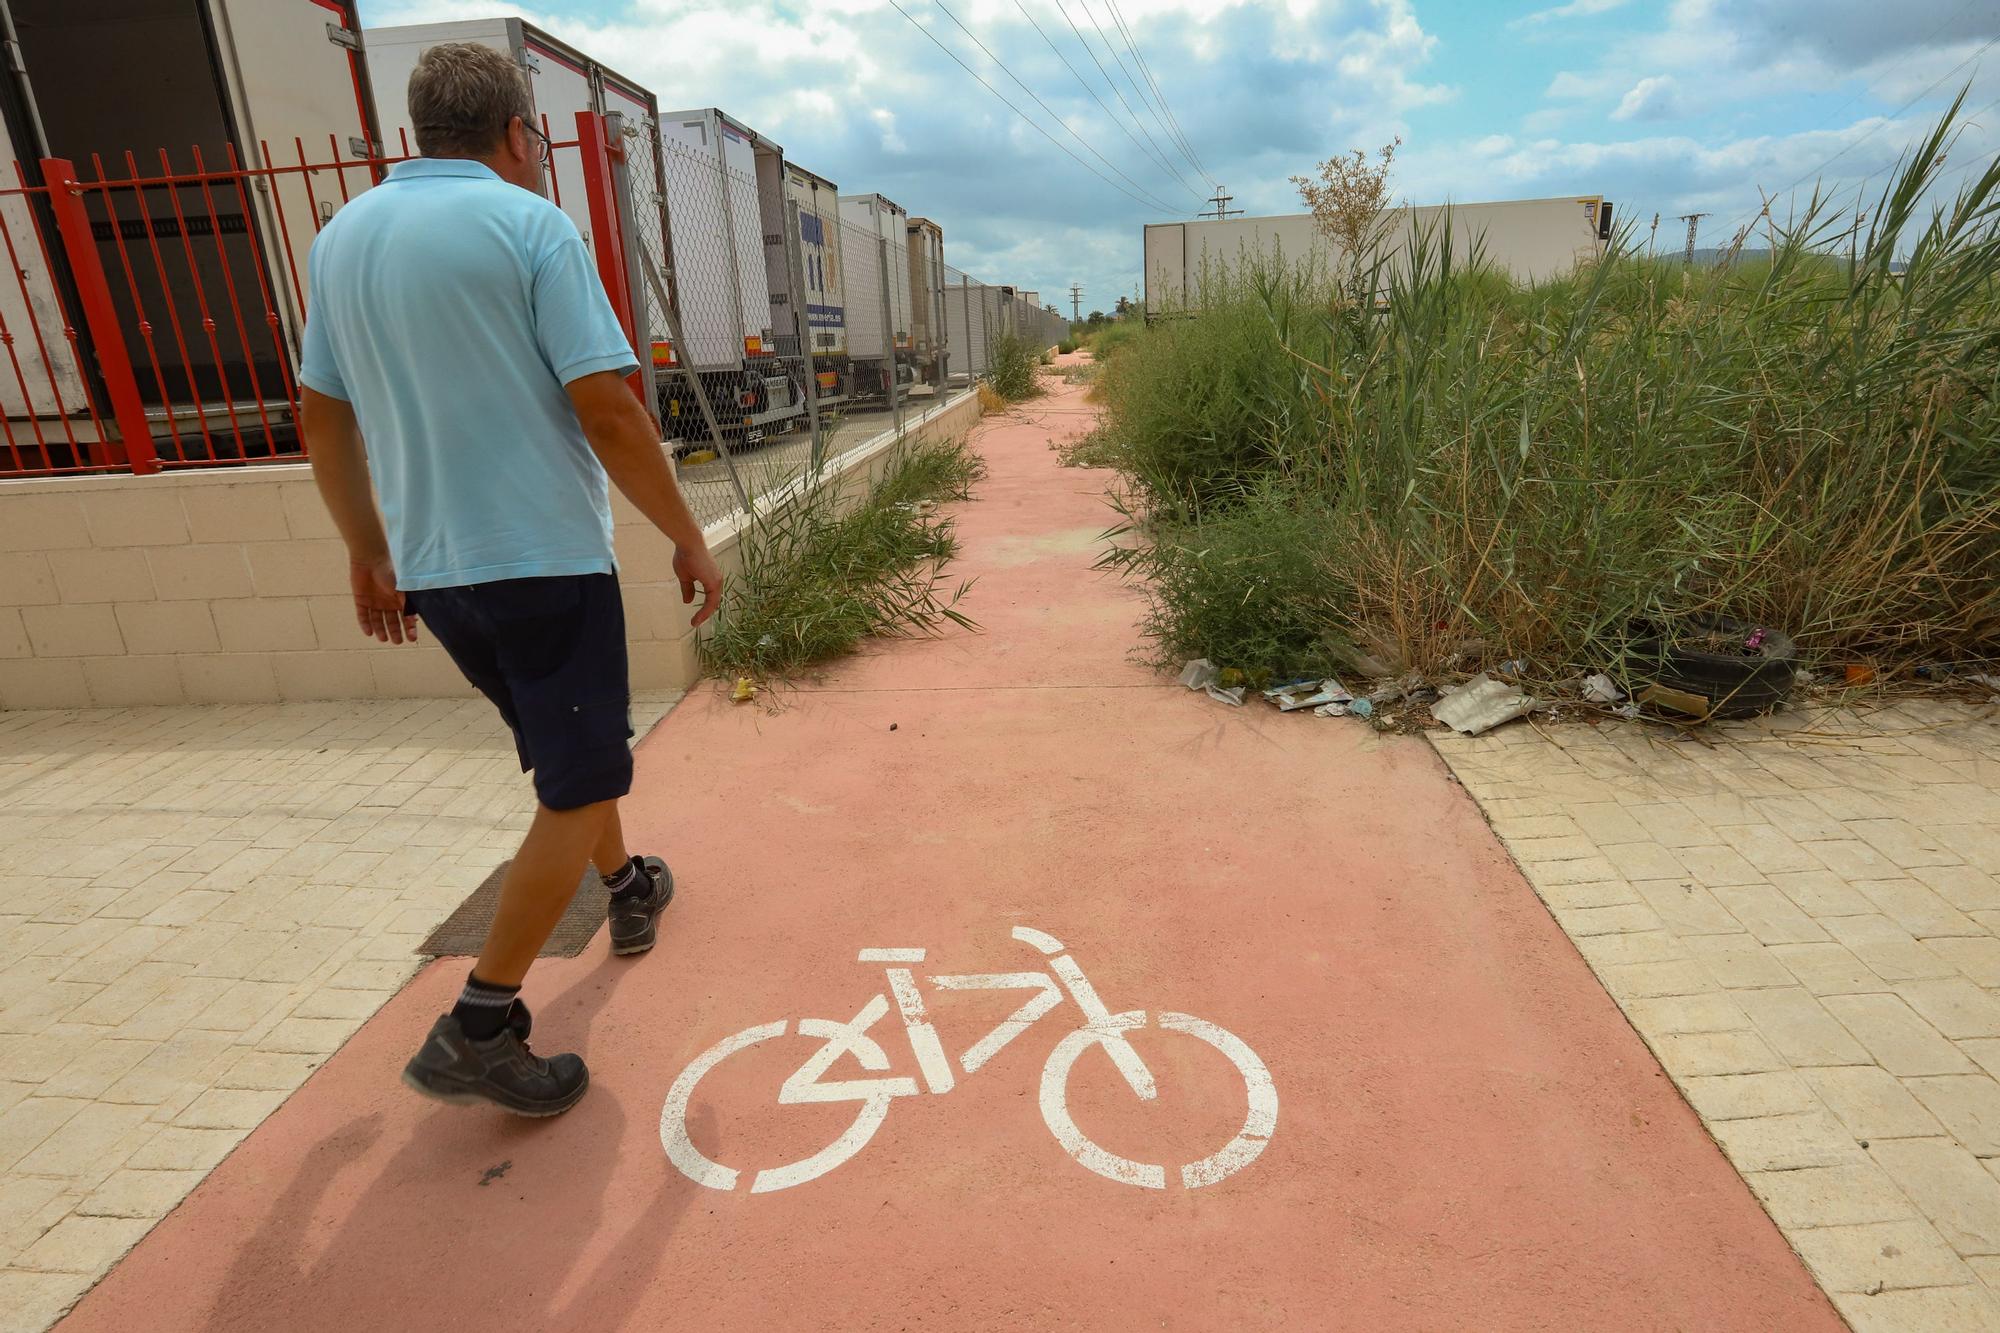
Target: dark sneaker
x,y
452,1067
634,917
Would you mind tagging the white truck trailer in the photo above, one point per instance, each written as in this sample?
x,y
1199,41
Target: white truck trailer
x,y
726,210
818,203
874,237
84,80
1528,239
928,339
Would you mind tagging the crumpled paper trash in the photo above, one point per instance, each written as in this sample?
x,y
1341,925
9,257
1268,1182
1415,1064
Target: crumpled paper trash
x,y
1481,704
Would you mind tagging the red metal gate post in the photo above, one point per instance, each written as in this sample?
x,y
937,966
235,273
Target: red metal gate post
x,y
605,237
100,317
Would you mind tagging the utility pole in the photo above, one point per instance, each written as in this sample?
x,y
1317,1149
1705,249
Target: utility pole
x,y
1075,302
1687,256
1222,202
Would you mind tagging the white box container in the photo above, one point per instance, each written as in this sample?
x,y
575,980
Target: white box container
x,y
926,263
1528,239
718,226
877,223
818,202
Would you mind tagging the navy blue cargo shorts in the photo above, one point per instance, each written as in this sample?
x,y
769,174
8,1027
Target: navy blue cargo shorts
x,y
550,654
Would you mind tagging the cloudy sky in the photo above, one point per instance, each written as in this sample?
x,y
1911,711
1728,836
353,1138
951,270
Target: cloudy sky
x,y
1664,108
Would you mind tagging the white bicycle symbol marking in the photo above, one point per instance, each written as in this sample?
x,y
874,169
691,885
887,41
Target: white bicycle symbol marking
x,y
876,1095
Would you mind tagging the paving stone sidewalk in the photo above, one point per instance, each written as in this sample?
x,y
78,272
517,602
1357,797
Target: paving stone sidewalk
x,y
1802,919
197,907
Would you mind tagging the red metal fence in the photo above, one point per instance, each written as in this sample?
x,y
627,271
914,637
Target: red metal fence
x,y
155,311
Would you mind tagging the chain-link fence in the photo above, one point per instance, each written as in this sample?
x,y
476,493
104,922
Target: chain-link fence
x,y
787,322
977,315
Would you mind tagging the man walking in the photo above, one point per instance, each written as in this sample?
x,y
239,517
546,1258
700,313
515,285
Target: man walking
x,y
460,351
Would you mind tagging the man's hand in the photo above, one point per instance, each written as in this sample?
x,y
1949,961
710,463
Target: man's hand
x,y
697,566
377,604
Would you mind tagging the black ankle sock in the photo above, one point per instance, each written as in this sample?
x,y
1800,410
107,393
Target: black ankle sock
x,y
631,882
482,1008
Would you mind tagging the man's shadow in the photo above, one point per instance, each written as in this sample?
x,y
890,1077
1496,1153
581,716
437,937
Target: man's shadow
x,y
479,1220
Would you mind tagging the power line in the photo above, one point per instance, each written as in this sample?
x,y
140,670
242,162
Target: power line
x,y
1120,62
1017,110
1053,115
1990,44
1159,93
1092,53
1877,129
1084,83
1948,20
1222,202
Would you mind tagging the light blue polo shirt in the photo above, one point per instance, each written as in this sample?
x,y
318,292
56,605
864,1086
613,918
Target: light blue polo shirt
x,y
450,308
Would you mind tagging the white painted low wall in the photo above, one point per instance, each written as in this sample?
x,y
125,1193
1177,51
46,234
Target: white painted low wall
x,y
230,586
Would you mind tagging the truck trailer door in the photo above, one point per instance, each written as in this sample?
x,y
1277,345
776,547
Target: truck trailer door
x,y
170,75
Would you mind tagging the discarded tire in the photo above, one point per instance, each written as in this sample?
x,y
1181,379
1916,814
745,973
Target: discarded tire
x,y
1736,681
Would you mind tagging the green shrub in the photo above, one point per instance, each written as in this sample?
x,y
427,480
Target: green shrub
x,y
1111,337
1476,472
1013,371
816,582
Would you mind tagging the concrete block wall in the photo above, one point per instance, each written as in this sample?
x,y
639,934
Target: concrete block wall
x,y
230,586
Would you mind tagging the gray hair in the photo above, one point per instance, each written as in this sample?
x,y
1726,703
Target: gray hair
x,y
462,96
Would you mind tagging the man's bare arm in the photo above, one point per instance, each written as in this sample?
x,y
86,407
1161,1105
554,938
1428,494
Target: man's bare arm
x,y
622,436
340,469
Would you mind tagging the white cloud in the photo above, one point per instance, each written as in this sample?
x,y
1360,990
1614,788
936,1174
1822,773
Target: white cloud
x,y
1656,97
1574,9
1263,88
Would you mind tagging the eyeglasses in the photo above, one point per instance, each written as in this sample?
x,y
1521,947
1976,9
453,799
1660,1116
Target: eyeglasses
x,y
545,146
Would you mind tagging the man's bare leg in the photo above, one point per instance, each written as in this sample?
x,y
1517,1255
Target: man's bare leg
x,y
611,856
538,887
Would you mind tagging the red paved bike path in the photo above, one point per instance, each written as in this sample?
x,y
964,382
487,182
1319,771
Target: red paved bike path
x,y
1469,1135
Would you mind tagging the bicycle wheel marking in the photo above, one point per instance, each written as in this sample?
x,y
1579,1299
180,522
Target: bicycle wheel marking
x,y
809,1084
1260,1122
1055,1108
673,1116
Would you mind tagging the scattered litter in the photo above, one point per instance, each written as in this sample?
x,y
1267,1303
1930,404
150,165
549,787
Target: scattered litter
x,y
1395,691
1481,704
745,691
1858,674
1601,689
1361,708
1291,687
1333,709
892,726
766,641
1677,701
1628,711
1200,674
1990,681
1513,666
1312,694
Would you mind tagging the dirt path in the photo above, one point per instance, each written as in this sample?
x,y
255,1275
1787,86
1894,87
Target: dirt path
x,y
1467,1132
